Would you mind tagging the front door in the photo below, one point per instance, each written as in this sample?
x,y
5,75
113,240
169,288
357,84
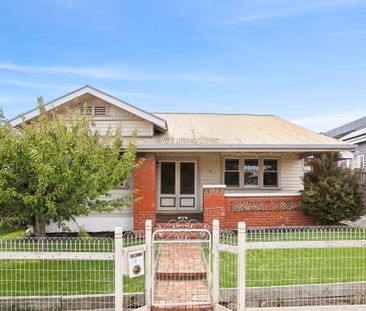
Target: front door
x,y
177,185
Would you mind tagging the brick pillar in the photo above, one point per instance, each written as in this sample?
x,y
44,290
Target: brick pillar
x,y
144,184
214,204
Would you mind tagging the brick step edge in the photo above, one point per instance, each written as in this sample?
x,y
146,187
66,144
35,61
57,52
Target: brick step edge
x,y
181,276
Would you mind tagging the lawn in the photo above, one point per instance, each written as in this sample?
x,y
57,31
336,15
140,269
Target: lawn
x,y
296,266
264,267
59,277
11,232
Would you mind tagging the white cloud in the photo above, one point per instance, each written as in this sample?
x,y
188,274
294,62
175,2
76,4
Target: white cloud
x,y
111,73
264,10
36,85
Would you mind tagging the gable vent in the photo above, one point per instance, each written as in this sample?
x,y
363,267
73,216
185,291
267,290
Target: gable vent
x,y
86,110
100,110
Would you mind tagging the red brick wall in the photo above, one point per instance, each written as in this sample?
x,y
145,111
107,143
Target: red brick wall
x,y
144,180
256,211
213,205
266,212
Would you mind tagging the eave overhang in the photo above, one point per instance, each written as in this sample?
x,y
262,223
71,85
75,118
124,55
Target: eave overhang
x,y
247,148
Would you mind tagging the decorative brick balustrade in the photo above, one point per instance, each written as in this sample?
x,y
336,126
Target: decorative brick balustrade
x,y
256,211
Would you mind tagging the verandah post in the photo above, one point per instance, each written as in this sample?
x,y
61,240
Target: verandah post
x,y
148,265
118,276
241,265
215,261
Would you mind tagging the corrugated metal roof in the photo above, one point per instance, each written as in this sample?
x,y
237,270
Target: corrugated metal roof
x,y
347,128
235,131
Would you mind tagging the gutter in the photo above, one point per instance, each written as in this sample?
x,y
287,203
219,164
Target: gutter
x,y
251,148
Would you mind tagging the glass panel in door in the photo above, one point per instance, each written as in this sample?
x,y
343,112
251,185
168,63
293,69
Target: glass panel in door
x,y
167,180
187,185
167,198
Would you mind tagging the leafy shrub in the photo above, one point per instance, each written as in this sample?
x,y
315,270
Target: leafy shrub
x,y
332,194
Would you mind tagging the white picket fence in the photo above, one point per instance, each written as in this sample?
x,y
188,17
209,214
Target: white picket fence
x,y
256,268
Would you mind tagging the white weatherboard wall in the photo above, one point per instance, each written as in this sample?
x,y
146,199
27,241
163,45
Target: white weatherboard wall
x,y
292,171
102,222
97,223
115,118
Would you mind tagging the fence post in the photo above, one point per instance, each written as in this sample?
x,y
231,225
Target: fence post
x,y
215,262
148,264
241,266
118,276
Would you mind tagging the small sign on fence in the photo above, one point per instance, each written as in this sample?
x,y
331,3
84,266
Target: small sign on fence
x,y
136,264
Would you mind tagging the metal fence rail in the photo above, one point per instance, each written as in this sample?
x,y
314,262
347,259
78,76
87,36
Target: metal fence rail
x,y
70,273
56,273
255,268
307,266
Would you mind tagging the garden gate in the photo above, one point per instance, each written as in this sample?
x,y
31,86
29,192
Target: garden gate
x,y
181,265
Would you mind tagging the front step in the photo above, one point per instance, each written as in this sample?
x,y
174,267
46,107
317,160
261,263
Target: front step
x,y
181,261
181,308
181,295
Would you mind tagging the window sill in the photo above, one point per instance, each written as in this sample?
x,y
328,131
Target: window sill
x,y
263,194
248,188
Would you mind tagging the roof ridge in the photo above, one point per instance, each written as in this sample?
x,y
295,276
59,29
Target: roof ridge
x,y
218,113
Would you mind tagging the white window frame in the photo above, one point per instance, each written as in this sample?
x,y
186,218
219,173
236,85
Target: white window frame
x,y
233,171
260,172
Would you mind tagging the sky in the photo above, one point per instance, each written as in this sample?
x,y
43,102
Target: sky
x,y
303,60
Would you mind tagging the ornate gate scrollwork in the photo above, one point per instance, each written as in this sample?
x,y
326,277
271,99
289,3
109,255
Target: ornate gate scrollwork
x,y
182,228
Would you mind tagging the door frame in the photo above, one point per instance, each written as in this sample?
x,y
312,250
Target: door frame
x,y
177,196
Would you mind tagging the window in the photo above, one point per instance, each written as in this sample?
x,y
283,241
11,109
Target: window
x,y
270,173
231,173
251,172
363,161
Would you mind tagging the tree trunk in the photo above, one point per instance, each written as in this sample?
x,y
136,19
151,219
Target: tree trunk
x,y
40,227
40,232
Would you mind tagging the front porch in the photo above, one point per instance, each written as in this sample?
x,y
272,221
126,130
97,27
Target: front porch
x,y
260,189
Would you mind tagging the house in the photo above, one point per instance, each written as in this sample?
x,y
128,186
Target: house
x,y
202,166
355,133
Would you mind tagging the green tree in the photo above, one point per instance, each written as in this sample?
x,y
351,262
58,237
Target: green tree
x,y
332,194
54,169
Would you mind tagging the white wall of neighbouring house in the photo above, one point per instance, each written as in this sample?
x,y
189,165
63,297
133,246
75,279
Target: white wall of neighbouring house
x,y
96,223
107,222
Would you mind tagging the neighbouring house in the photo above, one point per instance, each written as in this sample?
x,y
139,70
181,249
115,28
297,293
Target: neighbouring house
x,y
355,133
202,166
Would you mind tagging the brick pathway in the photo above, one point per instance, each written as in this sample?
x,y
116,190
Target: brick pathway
x,y
181,278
